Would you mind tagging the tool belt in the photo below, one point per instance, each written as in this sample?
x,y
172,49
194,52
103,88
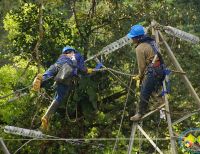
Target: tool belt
x,y
157,71
156,64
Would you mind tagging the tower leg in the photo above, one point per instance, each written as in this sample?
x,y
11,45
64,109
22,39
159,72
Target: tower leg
x,y
133,131
172,141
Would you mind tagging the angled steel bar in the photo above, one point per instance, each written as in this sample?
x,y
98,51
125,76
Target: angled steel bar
x,y
178,67
3,146
133,131
149,139
185,117
172,141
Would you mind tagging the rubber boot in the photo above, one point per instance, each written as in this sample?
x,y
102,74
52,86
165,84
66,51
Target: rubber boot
x,y
138,116
45,119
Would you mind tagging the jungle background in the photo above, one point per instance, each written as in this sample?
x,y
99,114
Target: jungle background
x,y
32,35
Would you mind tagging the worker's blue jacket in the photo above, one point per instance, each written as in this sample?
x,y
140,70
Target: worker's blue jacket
x,y
77,64
63,70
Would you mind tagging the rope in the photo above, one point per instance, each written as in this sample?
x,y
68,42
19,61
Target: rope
x,y
13,99
124,84
23,145
71,141
125,104
67,114
16,92
88,139
38,99
115,146
115,71
77,141
111,71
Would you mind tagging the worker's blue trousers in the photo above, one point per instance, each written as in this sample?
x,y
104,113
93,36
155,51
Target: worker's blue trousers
x,y
61,92
152,82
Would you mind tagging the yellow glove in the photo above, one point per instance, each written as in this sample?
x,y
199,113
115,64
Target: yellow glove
x,y
137,79
89,70
37,82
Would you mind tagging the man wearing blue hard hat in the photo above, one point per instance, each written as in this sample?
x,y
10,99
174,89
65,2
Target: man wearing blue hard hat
x,y
150,66
67,66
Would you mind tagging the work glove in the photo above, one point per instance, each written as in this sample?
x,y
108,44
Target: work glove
x,y
37,82
90,70
45,123
98,66
137,79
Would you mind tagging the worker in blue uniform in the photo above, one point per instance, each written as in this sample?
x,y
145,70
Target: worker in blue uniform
x,y
67,66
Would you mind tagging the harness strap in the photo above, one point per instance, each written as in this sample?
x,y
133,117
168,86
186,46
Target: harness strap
x,y
153,44
156,52
168,89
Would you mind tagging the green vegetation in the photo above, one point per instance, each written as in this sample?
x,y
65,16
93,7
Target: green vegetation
x,y
99,99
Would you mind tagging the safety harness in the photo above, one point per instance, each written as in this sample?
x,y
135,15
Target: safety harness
x,y
152,65
152,43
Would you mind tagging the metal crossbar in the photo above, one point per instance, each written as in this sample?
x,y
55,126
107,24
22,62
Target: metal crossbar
x,y
185,117
3,146
111,47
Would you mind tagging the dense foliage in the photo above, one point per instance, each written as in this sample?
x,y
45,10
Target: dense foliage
x,y
96,102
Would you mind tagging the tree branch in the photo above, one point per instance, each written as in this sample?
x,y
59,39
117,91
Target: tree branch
x,y
114,96
92,9
41,34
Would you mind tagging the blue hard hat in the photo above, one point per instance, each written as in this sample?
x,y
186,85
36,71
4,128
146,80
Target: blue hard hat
x,y
68,49
135,31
